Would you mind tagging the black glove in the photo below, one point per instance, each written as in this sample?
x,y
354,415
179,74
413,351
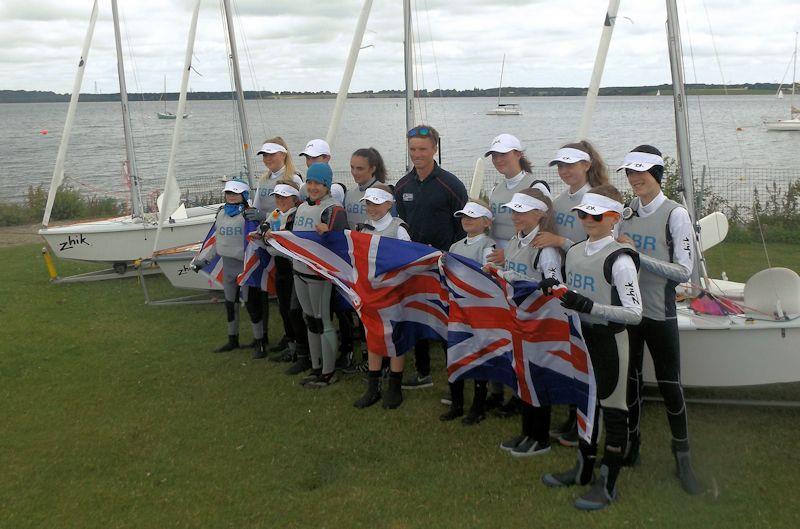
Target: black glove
x,y
255,214
573,300
547,284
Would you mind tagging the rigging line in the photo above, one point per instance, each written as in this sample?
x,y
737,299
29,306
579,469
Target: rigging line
x,y
722,76
145,154
237,135
436,68
251,69
702,121
738,140
423,103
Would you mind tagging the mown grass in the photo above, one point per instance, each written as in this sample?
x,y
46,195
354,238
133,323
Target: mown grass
x,y
116,415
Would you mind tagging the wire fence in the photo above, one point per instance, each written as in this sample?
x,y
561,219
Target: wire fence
x,y
728,189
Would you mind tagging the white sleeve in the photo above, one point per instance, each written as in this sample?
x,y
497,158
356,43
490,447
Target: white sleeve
x,y
402,234
486,253
550,264
625,279
682,232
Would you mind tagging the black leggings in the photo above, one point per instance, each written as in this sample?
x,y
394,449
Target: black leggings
x,y
255,305
284,285
662,341
606,358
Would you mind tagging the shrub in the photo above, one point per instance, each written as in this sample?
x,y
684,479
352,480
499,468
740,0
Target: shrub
x,y
68,205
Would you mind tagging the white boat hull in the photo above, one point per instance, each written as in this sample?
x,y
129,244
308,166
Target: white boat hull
x,y
783,125
727,351
504,112
124,239
174,263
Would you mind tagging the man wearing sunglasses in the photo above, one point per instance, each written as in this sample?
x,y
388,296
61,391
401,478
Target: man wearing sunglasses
x,y
427,199
662,232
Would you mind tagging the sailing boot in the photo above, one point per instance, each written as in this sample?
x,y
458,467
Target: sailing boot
x,y
456,402
373,393
602,492
567,426
580,474
233,343
686,475
393,397
302,361
476,410
258,349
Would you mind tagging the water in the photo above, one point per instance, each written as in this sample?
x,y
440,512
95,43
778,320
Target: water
x,y
209,147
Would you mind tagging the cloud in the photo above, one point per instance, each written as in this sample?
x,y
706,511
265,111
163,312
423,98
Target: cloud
x,y
302,44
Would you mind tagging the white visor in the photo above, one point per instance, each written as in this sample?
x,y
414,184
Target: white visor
x,y
474,210
505,143
285,191
377,196
271,148
640,161
595,204
543,188
569,155
235,186
524,203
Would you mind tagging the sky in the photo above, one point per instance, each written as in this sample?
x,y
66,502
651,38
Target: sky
x,y
302,45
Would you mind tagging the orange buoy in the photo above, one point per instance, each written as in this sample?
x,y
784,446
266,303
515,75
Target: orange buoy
x,y
43,132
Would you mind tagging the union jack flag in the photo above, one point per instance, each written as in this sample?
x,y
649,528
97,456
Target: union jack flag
x,y
259,267
208,252
393,285
514,334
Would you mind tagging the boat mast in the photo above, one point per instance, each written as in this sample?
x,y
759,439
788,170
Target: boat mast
x,y
344,87
682,123
136,195
171,196
58,172
500,87
408,56
237,80
794,82
599,66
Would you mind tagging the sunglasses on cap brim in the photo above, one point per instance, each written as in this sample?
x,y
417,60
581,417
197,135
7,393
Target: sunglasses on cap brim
x,y
597,218
418,131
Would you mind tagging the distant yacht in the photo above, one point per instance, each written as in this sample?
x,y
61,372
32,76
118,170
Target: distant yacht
x,y
504,109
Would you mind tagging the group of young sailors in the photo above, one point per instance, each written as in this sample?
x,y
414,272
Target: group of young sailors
x,y
620,265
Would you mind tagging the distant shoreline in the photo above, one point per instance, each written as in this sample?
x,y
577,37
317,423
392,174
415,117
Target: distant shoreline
x,y
30,96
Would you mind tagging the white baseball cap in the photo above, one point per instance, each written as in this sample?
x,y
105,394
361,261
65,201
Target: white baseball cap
x,y
570,155
640,161
236,186
504,143
474,210
271,148
523,203
595,204
285,191
316,148
377,196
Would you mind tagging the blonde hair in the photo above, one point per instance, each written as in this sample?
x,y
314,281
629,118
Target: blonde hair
x,y
548,220
607,190
485,204
288,164
597,174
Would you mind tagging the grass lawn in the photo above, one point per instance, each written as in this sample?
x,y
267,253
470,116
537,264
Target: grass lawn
x,y
116,415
